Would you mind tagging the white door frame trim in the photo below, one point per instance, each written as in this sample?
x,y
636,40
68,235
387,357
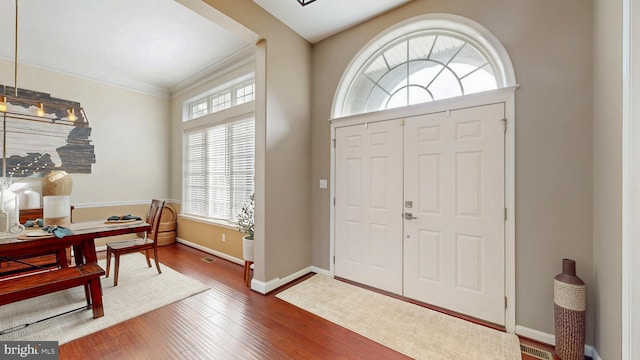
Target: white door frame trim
x,y
630,179
503,95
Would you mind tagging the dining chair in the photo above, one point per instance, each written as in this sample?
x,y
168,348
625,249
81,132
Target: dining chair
x,y
146,244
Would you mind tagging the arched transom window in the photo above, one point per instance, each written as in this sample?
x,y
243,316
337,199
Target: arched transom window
x,y
421,61
420,68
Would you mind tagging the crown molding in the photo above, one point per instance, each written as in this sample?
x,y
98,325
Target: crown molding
x,y
230,63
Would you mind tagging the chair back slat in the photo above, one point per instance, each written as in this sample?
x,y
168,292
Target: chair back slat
x,y
153,218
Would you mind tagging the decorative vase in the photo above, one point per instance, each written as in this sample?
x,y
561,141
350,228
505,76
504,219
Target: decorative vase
x,y
56,210
56,198
247,249
569,298
56,183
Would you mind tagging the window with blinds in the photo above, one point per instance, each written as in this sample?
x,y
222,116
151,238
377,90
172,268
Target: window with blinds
x,y
218,169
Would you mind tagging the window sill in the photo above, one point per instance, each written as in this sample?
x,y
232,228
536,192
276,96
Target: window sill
x,y
220,223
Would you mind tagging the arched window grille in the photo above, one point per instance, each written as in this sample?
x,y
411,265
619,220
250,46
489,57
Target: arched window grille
x,y
427,58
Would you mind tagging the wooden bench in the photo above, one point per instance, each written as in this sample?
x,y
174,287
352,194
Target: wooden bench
x,y
34,262
32,285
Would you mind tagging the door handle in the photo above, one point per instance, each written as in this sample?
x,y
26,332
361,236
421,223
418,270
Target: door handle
x,y
409,216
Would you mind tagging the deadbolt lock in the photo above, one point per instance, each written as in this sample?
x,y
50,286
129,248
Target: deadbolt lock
x,y
409,216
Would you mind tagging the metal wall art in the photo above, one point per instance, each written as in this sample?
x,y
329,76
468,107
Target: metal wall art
x,y
41,133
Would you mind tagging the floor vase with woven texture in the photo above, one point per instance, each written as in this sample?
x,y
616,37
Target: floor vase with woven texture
x,y
569,297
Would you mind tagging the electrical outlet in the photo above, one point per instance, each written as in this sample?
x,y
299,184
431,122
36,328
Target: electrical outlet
x,y
224,238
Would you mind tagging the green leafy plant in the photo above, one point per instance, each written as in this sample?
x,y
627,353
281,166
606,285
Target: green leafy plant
x,y
245,221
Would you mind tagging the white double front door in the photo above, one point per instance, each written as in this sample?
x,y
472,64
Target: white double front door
x,y
420,208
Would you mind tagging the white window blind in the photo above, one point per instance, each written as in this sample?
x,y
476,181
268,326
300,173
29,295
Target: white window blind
x,y
219,169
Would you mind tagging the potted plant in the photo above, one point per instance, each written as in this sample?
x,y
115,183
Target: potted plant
x,y
245,226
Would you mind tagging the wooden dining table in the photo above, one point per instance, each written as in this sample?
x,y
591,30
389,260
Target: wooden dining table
x,y
82,241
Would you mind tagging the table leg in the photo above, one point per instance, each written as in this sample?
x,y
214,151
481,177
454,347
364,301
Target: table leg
x,y
77,254
96,298
89,251
247,273
61,256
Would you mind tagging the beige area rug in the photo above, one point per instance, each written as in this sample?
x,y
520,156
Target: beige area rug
x,y
140,289
407,328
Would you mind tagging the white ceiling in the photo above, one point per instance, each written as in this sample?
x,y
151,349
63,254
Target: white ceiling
x,y
151,45
323,18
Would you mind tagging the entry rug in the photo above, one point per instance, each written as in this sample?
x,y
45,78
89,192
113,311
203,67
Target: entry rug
x,y
140,289
410,329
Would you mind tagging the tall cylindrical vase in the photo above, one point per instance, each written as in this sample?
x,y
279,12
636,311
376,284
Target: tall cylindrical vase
x,y
569,297
56,201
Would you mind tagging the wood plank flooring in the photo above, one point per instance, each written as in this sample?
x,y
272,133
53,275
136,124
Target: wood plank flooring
x,y
227,322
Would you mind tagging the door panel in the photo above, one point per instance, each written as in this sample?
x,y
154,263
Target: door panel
x,y
454,177
448,168
368,222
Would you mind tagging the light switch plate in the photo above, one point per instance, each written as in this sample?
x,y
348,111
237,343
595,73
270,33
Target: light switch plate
x,y
323,183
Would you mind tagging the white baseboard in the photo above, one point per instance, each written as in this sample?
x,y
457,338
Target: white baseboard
x,y
551,340
594,353
261,287
536,335
266,287
320,271
211,251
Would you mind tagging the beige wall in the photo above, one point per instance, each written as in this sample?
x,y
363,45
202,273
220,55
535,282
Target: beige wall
x,y
607,177
550,45
130,133
131,138
217,238
283,150
551,48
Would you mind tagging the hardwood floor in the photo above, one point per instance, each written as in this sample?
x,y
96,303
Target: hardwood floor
x,y
227,322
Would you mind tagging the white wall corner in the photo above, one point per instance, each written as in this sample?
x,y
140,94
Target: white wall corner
x,y
266,287
321,271
591,351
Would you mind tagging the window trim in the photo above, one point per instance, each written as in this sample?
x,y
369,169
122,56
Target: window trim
x,y
227,115
208,220
226,87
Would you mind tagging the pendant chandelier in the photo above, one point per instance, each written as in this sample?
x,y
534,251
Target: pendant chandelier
x,y
28,114
305,2
27,105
